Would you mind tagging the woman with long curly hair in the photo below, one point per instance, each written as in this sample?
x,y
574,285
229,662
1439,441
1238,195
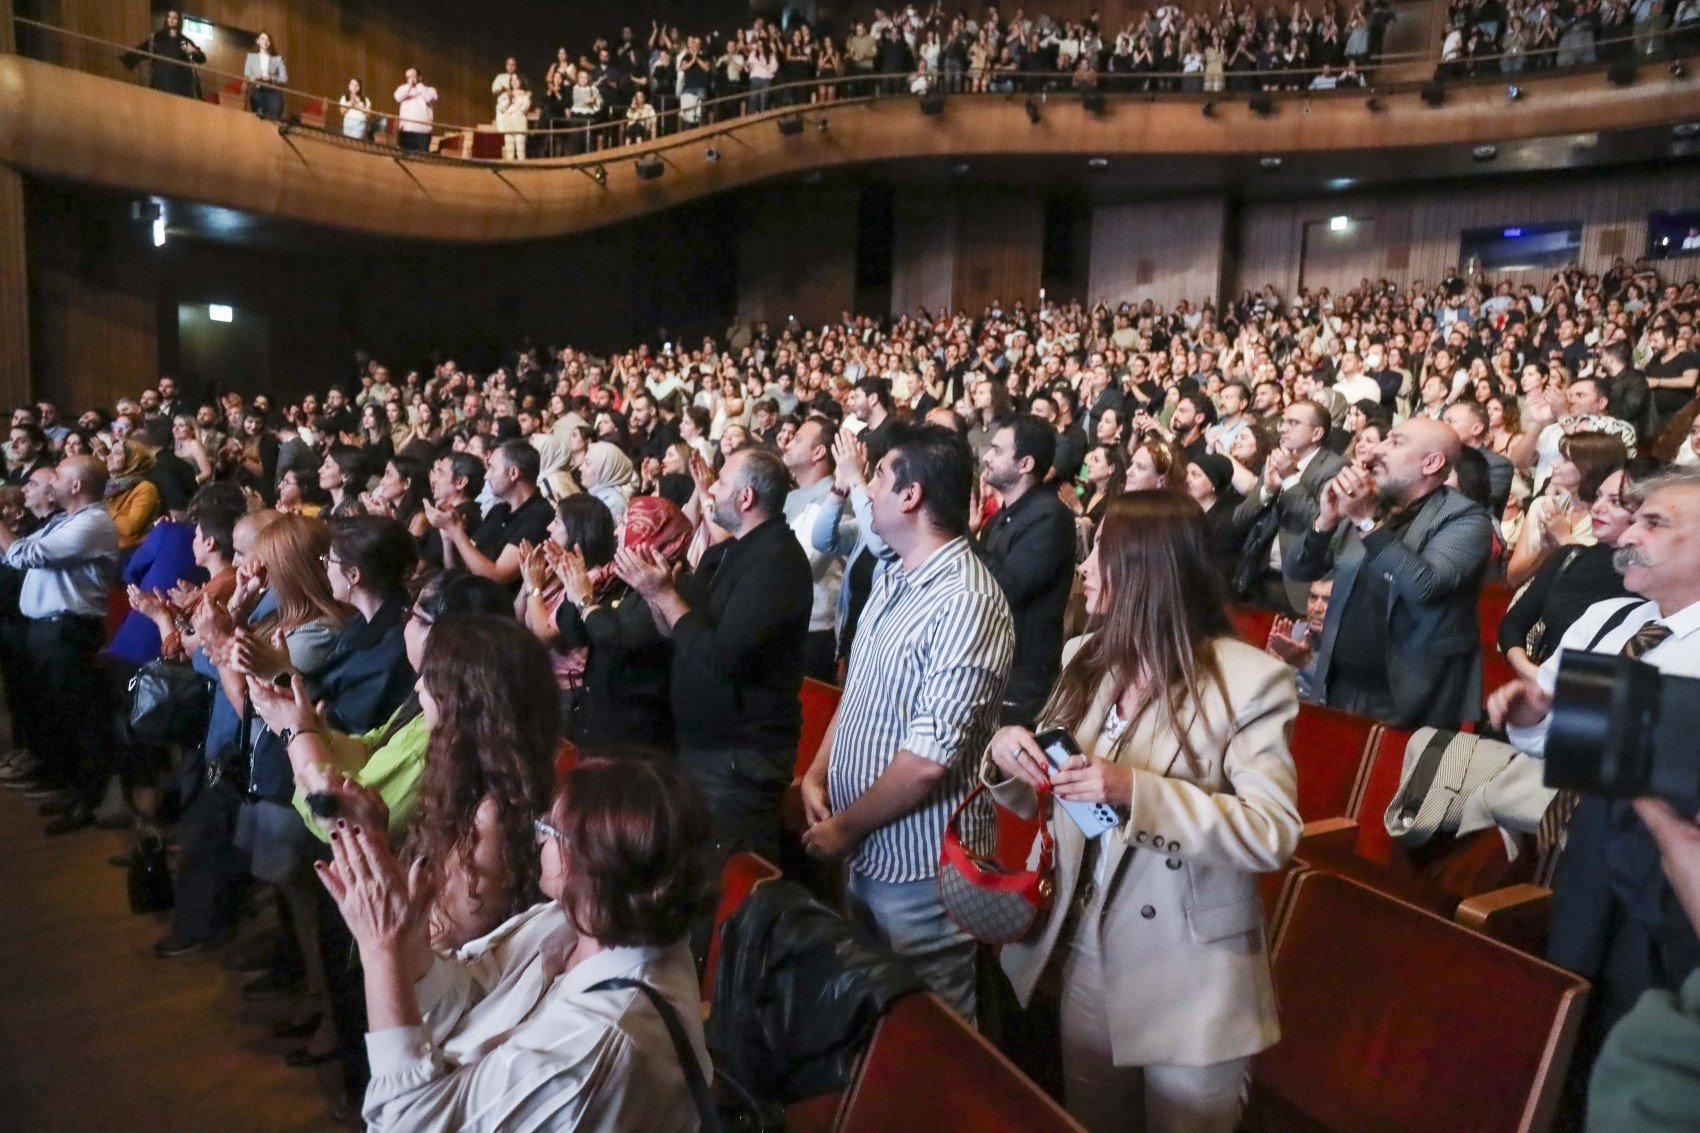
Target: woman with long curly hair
x,y
487,691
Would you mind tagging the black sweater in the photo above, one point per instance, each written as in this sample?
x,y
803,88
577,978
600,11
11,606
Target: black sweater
x,y
1565,585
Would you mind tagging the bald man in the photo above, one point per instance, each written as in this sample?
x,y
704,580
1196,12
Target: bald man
x,y
69,562
1407,554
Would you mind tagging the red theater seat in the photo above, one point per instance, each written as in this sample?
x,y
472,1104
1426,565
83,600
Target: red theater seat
x,y
738,879
820,701
1252,623
1393,1018
1329,748
928,1070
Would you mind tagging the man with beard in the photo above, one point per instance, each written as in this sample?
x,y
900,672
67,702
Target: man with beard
x,y
737,623
1401,643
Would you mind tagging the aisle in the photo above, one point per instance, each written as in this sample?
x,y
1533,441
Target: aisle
x,y
96,1035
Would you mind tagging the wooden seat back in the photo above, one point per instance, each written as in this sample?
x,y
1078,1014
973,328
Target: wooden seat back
x,y
1329,748
1394,1018
739,877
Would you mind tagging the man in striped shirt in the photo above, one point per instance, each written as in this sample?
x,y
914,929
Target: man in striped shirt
x,y
926,679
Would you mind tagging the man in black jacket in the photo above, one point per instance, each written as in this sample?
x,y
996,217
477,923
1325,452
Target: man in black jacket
x,y
1029,548
737,623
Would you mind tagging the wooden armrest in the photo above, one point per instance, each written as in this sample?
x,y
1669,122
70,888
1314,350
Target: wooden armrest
x,y
1329,833
1515,915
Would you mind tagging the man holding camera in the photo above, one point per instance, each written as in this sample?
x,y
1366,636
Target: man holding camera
x,y
1614,918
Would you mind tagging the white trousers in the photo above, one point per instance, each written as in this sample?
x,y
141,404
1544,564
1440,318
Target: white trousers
x,y
513,147
1107,1098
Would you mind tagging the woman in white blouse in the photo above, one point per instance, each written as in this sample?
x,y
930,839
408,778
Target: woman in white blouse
x,y
522,1027
356,112
512,106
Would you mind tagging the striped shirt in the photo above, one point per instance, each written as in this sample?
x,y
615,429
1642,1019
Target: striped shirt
x,y
927,674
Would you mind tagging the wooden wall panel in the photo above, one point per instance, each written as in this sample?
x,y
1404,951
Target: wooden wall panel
x,y
14,292
923,252
999,247
1164,250
1417,235
797,256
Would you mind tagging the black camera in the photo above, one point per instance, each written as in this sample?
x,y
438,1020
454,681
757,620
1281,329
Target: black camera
x,y
1623,729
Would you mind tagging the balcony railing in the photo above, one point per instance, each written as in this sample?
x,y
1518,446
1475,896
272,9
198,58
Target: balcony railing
x,y
585,142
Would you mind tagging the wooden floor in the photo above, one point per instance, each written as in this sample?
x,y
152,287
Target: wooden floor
x,y
99,1036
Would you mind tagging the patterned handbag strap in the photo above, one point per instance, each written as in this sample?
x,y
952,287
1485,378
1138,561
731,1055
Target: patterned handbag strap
x,y
1047,845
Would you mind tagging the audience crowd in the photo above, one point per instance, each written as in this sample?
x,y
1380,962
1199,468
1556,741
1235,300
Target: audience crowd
x,y
407,594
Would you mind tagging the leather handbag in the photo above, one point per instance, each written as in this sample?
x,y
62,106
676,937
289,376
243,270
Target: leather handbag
x,y
169,703
987,900
149,880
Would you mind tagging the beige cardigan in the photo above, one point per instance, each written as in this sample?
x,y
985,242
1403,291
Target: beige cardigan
x,y
1186,963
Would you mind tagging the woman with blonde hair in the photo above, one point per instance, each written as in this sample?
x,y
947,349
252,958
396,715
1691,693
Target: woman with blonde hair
x,y
1155,943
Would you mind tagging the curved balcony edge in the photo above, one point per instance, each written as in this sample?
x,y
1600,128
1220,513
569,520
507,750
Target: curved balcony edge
x,y
63,124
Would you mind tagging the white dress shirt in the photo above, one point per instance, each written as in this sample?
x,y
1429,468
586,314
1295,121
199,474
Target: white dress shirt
x,y
1678,654
503,1048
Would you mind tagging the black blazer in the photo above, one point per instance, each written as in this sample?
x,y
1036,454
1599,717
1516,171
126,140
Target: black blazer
x,y
738,652
626,676
367,676
1029,548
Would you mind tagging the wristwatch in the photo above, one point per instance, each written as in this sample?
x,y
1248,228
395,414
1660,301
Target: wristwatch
x,y
289,735
1365,525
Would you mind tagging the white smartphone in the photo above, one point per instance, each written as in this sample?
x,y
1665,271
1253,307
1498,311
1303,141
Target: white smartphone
x,y
1092,818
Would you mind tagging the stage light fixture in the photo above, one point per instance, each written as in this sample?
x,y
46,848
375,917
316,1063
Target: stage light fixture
x,y
649,167
1032,108
1621,74
1514,92
932,103
822,125
1678,69
1373,104
1097,164
1339,223
159,231
791,125
1261,105
220,313
712,154
1093,102
1434,94
1209,108
1269,164
1484,153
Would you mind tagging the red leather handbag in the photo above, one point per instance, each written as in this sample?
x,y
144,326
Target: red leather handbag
x,y
991,903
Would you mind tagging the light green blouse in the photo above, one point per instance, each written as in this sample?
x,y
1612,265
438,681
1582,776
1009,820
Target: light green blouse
x,y
388,759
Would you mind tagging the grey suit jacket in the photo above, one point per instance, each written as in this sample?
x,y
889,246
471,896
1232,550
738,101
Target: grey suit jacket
x,y
1434,570
1299,506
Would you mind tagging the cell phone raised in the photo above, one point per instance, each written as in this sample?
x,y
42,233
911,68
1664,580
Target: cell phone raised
x,y
1092,818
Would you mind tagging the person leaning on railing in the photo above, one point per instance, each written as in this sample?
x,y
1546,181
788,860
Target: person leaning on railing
x,y
265,71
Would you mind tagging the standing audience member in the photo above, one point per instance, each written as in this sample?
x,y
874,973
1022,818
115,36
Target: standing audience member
x,y
737,623
809,460
520,515
416,112
1408,554
1028,545
1184,733
172,58
921,698
1276,513
265,72
69,563
131,497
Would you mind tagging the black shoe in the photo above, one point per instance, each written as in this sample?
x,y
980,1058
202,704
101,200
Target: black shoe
x,y
272,985
171,946
304,1059
79,817
54,807
301,1030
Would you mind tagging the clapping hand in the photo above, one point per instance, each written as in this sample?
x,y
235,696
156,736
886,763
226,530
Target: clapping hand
x,y
851,456
257,657
574,576
444,519
148,603
643,569
250,581
701,473
1277,468
385,907
1283,645
282,708
533,566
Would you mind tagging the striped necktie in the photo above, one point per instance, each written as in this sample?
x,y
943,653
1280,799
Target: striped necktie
x,y
1551,834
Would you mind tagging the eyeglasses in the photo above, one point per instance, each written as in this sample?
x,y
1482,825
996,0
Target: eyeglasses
x,y
545,830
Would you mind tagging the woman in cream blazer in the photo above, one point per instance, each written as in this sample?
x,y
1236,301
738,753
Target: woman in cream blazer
x,y
1154,948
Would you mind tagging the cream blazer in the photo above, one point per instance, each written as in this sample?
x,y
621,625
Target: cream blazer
x,y
1186,963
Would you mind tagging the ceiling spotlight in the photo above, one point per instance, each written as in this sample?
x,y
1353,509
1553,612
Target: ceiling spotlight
x,y
1269,164
649,167
1032,108
1209,108
1514,92
1373,104
1339,224
1485,153
1098,164
712,154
